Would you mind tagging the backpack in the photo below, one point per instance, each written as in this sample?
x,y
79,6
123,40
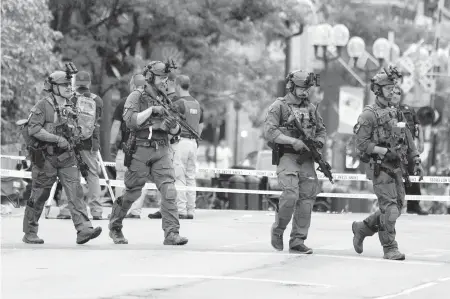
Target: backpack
x,y
87,114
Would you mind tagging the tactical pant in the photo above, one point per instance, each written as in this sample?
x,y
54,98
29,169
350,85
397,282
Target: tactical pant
x,y
42,181
149,164
185,157
299,186
136,208
414,189
93,186
390,191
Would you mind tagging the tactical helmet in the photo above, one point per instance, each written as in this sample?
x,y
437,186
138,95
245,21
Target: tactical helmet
x,y
156,68
384,77
302,79
55,78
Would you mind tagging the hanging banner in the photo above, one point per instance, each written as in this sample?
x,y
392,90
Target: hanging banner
x,y
350,107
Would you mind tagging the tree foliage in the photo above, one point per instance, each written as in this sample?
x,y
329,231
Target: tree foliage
x,y
27,43
224,46
113,39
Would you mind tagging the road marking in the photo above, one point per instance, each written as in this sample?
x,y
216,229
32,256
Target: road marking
x,y
409,291
214,277
337,247
359,258
425,255
438,250
242,244
381,260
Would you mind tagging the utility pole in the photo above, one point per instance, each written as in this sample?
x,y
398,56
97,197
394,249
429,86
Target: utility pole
x,y
436,70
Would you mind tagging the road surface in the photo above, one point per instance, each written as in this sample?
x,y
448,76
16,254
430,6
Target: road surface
x,y
228,256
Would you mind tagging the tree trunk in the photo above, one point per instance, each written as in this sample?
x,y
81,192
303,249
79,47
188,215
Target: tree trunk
x,y
134,37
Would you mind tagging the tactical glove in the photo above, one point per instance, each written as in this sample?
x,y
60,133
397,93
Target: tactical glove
x,y
157,110
391,155
418,170
62,142
113,150
318,144
299,146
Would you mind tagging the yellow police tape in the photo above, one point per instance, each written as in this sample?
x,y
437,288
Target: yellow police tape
x,y
273,174
151,186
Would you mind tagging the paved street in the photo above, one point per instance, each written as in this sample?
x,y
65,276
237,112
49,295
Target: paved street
x,y
228,256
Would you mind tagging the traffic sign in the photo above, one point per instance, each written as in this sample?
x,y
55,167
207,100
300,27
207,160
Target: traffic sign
x,y
406,63
407,83
428,84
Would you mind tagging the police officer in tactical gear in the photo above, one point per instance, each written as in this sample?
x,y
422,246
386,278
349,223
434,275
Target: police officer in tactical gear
x,y
386,144
412,206
137,82
152,159
296,173
52,156
90,108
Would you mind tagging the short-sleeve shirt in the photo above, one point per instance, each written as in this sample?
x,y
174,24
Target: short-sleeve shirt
x,y
118,112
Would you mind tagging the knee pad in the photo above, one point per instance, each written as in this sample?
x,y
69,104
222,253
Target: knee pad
x,y
123,203
168,191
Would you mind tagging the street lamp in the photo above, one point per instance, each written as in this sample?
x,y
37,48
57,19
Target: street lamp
x,y
382,50
329,37
295,28
237,107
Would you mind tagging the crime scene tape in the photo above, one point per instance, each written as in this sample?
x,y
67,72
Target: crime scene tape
x,y
152,186
273,174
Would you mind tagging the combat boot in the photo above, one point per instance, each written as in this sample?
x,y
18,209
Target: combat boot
x,y
394,254
175,239
360,231
32,238
117,236
88,234
302,248
276,241
156,215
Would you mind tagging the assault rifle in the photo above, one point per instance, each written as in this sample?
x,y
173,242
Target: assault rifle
x,y
170,110
75,145
399,149
324,166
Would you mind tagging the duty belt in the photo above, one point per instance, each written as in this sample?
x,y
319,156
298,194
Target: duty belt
x,y
53,150
289,150
187,136
151,143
